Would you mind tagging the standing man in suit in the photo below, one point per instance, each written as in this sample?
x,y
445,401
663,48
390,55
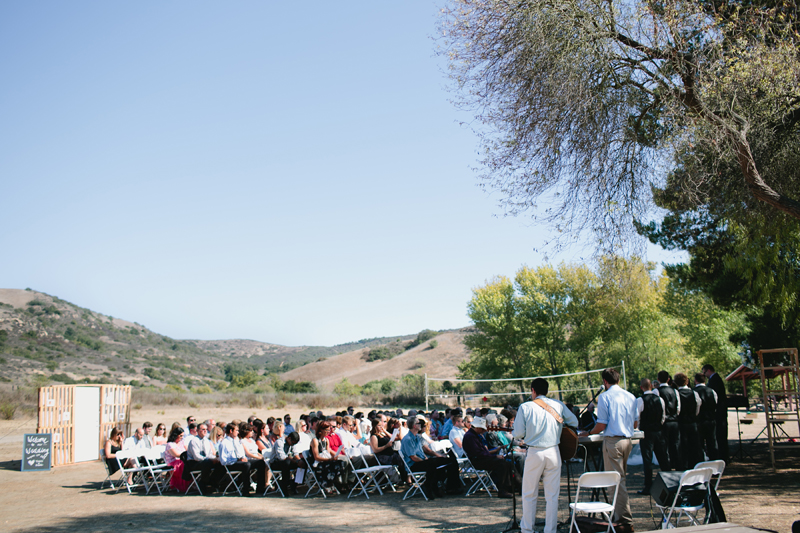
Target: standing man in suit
x,y
670,432
716,383
691,449
651,419
707,418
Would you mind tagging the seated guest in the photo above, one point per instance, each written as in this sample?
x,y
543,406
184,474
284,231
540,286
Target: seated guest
x,y
160,438
217,434
255,459
484,459
281,460
334,440
419,457
189,420
112,446
304,442
172,456
345,432
436,425
381,443
147,428
457,435
287,424
135,441
231,455
200,455
328,470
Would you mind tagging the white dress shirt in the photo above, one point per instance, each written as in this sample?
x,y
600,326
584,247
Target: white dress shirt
x,y
617,409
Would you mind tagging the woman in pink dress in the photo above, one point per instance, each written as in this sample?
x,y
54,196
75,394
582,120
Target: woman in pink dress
x,y
172,456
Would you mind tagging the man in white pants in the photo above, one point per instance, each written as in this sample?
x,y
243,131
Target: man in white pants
x,y
539,424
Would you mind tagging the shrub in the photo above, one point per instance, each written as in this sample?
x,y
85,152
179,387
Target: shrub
x,y
433,344
51,366
345,388
202,389
137,406
7,410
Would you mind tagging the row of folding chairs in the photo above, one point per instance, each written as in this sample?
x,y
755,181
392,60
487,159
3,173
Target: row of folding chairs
x,y
700,476
146,469
478,479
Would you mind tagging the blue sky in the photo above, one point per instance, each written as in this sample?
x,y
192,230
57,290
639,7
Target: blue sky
x,y
245,170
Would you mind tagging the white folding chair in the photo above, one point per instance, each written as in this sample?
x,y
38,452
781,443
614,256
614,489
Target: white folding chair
x,y
366,475
135,472
159,473
310,478
693,500
109,476
482,479
233,480
717,467
274,479
595,480
417,480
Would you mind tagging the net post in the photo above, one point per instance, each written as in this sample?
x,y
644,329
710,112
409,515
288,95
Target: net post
x,y
426,392
624,377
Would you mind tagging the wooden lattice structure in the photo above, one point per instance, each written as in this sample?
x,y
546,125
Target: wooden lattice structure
x,y
781,406
57,415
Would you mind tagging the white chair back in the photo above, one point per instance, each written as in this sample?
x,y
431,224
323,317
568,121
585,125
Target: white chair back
x,y
693,477
596,480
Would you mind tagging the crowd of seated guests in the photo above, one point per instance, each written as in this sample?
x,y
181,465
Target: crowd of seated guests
x,y
211,448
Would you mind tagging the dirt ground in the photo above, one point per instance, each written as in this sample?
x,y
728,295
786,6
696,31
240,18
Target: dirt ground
x,y
68,499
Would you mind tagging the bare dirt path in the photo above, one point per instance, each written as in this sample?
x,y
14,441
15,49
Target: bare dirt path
x,y
67,499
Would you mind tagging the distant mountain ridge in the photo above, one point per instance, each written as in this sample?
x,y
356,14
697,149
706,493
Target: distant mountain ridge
x,y
48,339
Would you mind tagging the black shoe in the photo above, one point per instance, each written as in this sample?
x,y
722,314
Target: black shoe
x,y
504,495
645,490
455,490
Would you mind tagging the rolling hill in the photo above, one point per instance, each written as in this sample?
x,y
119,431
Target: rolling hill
x,y
44,339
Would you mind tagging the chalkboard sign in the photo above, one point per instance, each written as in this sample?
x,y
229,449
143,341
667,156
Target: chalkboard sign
x,y
37,451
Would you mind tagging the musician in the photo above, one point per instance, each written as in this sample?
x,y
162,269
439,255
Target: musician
x,y
670,431
715,382
651,419
707,418
617,415
538,424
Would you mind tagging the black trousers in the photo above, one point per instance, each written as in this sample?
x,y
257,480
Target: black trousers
x,y
691,450
671,434
708,437
653,441
206,467
498,468
220,479
285,468
438,469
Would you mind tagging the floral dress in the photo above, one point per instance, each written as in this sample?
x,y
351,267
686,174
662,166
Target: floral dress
x,y
328,473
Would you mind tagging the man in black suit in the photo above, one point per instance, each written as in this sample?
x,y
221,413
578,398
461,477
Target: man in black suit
x,y
670,430
707,418
716,383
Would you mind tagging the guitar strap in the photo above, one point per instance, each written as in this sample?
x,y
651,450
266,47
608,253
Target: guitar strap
x,y
543,405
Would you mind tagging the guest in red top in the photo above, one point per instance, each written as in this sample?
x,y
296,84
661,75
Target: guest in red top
x,y
334,440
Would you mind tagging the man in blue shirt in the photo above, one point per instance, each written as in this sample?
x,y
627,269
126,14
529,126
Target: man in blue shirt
x,y
617,416
420,458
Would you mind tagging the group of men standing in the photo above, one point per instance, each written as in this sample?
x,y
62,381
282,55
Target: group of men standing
x,y
678,440
682,424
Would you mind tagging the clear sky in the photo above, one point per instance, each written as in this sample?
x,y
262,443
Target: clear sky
x,y
258,170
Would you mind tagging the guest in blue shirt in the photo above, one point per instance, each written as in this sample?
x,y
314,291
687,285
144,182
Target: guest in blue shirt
x,y
420,458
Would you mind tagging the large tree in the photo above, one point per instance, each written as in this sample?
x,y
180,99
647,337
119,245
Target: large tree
x,y
585,104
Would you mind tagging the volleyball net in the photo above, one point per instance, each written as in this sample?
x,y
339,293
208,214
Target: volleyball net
x,y
573,387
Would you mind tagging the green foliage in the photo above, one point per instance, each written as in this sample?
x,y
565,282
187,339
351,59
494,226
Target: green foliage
x,y
202,389
31,334
51,366
3,337
387,351
381,386
292,386
422,336
152,373
433,344
7,410
174,388
345,388
245,379
62,378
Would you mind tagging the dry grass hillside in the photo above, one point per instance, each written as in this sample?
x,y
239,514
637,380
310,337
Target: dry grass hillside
x,y
439,362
